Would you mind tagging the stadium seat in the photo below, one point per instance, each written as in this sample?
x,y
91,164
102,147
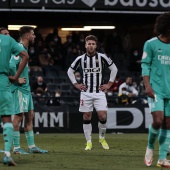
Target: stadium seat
x,y
52,87
51,74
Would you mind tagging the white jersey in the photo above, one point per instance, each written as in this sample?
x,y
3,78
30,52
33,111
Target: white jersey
x,y
92,67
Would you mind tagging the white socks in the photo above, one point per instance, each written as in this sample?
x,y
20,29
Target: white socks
x,y
102,130
87,131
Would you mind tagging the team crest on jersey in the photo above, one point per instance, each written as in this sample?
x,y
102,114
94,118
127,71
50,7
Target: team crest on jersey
x,y
144,55
16,57
20,45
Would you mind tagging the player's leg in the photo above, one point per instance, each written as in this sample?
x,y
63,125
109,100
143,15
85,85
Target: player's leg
x,y
28,128
164,138
86,106
157,107
16,134
87,128
20,104
102,129
100,105
6,109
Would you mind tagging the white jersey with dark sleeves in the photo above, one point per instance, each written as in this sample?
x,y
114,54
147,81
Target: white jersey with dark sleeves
x,y
93,69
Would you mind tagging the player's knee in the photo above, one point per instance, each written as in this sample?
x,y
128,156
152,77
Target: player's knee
x,y
15,125
158,123
28,123
86,116
16,122
102,117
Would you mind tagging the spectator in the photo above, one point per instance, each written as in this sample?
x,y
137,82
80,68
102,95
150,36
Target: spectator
x,y
127,90
53,37
55,53
57,93
71,57
45,57
68,45
39,83
39,46
135,85
81,44
40,95
33,57
38,35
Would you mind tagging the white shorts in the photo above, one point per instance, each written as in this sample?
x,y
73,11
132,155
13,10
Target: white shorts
x,y
88,101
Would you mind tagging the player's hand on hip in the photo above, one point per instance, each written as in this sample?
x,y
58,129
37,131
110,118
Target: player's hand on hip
x,y
22,80
81,87
104,87
12,79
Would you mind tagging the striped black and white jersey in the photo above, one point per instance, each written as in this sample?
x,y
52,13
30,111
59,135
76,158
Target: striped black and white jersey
x,y
92,67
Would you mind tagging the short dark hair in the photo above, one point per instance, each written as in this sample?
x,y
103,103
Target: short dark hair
x,y
2,28
25,29
162,24
91,37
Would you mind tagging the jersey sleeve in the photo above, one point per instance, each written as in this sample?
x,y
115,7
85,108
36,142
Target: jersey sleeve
x,y
108,61
146,59
13,64
76,63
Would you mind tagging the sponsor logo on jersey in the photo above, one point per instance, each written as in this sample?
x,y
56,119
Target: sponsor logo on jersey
x,y
159,50
92,70
16,57
90,3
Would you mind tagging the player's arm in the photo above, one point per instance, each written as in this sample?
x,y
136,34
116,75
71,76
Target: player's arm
x,y
71,75
18,50
24,55
14,61
149,90
146,68
112,67
113,73
12,66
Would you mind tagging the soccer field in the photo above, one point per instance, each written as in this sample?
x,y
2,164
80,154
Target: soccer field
x,y
66,152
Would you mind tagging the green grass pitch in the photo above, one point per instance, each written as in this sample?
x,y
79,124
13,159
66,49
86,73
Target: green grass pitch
x,y
66,152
